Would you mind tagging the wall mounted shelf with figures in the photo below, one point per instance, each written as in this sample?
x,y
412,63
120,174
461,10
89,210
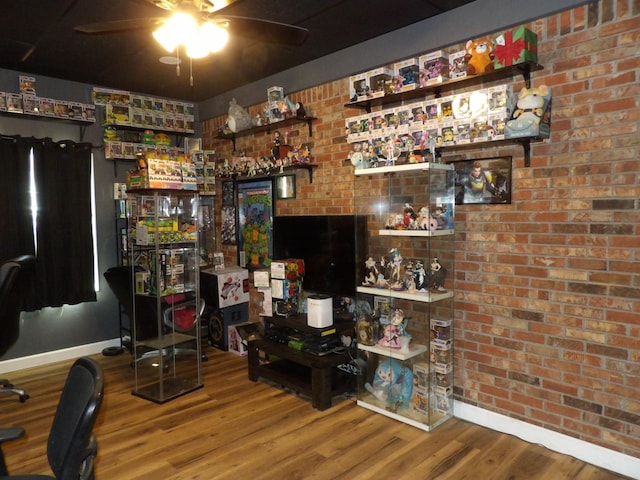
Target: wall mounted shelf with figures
x,y
268,128
277,172
523,69
449,86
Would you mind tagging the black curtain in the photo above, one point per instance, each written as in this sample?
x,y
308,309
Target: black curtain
x,y
62,172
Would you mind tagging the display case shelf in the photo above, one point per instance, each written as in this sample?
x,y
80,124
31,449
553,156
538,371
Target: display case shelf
x,y
414,350
424,297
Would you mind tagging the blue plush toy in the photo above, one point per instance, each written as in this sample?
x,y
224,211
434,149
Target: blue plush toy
x,y
392,383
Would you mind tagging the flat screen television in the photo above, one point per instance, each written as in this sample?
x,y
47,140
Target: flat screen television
x,y
327,244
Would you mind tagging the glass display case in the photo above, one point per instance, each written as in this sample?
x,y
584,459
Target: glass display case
x,y
404,301
164,252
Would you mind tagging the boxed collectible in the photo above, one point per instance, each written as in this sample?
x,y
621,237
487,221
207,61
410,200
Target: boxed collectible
x,y
290,269
445,108
358,88
434,68
457,64
30,104
514,46
440,330
27,85
236,344
225,287
449,133
461,105
117,115
406,75
164,173
500,99
3,102
378,81
532,114
221,319
61,108
417,115
275,94
89,112
14,102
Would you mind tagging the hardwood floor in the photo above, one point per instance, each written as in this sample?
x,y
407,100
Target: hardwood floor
x,y
233,429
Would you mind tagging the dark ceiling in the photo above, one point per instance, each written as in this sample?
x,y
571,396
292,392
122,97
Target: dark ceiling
x,y
38,38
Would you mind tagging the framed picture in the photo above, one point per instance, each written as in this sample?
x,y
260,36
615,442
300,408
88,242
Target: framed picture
x,y
255,223
483,180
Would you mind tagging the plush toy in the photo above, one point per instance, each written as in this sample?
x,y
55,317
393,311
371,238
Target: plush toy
x,y
392,383
479,56
531,116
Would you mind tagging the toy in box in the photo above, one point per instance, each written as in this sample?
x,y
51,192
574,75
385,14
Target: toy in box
x,y
3,102
434,68
406,75
358,88
445,108
275,94
532,114
457,64
515,46
164,173
449,133
500,99
404,119
440,330
461,106
441,353
30,104
225,287
392,120
89,112
61,108
235,342
290,269
463,131
117,115
479,129
495,126
189,176
377,80
47,107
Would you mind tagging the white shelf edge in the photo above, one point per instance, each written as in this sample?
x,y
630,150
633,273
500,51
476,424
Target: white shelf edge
x,y
405,167
404,419
415,233
398,354
426,297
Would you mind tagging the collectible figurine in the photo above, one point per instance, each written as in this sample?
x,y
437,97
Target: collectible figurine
x,y
438,274
392,384
420,276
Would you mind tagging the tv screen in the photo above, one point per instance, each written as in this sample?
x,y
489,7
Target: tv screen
x,y
327,244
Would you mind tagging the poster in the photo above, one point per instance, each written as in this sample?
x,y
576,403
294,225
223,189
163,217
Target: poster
x,y
255,223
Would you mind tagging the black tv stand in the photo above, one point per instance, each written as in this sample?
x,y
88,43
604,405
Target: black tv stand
x,y
309,374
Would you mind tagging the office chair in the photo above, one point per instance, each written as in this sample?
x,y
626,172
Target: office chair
x,y
15,277
120,282
72,446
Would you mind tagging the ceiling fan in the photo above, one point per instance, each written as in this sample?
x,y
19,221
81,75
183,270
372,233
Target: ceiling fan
x,y
207,11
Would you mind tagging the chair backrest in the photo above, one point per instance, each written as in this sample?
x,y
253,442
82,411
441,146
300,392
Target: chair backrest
x,y
71,440
15,277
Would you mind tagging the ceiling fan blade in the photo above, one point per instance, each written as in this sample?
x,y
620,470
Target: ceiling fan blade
x,y
120,25
264,30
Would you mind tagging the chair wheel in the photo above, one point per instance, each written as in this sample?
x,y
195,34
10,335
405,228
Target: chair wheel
x,y
7,384
24,398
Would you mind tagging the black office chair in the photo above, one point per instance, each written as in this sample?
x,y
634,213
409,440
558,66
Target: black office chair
x,y
15,277
72,445
120,282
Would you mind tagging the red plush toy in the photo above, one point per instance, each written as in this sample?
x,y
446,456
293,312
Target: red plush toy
x,y
479,56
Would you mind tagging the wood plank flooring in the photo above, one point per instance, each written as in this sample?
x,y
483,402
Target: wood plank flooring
x,y
234,429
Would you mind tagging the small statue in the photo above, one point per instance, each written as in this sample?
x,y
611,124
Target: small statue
x,y
438,274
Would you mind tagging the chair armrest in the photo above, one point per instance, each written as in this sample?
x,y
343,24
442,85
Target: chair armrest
x,y
8,434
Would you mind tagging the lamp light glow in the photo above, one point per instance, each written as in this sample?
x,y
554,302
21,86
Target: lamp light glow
x,y
199,41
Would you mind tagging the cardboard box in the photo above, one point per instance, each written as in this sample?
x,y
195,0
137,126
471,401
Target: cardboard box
x,y
290,269
434,68
515,46
378,81
236,344
532,114
406,75
224,287
500,99
358,88
221,319
164,173
457,64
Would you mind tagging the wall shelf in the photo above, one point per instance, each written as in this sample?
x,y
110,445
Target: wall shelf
x,y
309,167
268,128
523,69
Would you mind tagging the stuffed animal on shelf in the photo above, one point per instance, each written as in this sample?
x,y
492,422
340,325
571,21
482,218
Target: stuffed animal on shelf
x,y
532,117
479,56
392,384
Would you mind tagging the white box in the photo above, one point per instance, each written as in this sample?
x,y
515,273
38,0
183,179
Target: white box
x,y
457,64
236,344
261,278
378,81
500,99
434,68
229,285
408,72
358,88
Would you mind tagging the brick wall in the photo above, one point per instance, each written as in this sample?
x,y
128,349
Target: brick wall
x,y
547,288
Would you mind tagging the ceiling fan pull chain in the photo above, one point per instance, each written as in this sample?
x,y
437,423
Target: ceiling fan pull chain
x,y
178,61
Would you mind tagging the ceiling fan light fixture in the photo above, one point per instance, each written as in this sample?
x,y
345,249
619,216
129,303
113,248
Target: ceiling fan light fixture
x,y
178,30
213,37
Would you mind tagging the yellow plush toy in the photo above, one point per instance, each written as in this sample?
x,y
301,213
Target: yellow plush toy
x,y
479,56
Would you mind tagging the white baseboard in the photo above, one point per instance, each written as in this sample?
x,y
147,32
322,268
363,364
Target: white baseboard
x,y
46,358
558,442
